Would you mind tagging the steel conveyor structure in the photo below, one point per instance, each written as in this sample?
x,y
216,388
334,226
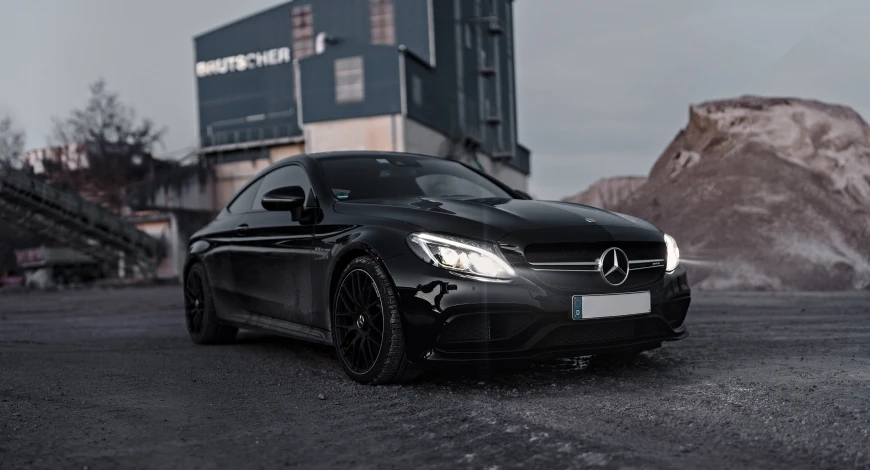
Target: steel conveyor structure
x,y
76,223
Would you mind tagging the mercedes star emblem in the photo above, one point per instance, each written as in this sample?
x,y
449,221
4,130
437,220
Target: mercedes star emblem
x,y
613,266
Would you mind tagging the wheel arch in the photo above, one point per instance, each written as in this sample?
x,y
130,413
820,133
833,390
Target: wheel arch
x,y
189,263
194,255
350,253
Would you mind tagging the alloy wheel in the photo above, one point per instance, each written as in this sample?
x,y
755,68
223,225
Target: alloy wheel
x,y
359,321
194,302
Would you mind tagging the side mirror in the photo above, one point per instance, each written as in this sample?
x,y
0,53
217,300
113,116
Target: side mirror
x,y
287,199
522,193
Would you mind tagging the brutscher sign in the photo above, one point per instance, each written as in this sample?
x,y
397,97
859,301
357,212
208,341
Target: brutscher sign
x,y
242,62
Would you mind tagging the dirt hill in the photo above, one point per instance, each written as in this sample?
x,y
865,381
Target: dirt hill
x,y
765,193
607,193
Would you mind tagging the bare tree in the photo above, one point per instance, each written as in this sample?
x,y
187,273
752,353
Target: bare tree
x,y
11,144
11,156
103,147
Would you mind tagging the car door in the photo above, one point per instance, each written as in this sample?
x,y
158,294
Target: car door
x,y
274,261
221,261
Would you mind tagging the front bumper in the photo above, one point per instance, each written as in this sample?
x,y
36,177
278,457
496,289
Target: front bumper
x,y
450,318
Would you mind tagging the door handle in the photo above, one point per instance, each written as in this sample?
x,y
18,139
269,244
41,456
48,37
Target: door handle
x,y
241,229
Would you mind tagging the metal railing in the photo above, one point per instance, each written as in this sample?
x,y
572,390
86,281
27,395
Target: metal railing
x,y
74,222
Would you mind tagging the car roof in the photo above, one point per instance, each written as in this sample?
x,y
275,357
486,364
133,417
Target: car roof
x,y
353,153
306,158
366,153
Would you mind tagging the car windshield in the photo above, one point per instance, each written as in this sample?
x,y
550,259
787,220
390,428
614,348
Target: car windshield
x,y
377,176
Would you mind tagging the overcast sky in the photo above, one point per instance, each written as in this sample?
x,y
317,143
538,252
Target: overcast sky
x,y
603,85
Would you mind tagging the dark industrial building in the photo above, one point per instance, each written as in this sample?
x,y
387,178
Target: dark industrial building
x,y
425,76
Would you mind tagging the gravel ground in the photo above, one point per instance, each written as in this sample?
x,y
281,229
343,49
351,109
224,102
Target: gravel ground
x,y
108,379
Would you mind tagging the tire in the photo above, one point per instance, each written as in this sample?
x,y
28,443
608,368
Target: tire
x,y
367,356
202,323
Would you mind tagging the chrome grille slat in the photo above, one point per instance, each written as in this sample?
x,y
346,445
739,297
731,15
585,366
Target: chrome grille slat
x,y
579,252
581,263
573,266
587,270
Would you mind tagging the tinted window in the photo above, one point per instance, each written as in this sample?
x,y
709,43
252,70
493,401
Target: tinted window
x,y
245,200
363,177
292,175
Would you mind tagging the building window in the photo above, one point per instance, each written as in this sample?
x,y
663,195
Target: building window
x,y
467,36
383,24
417,90
349,80
303,31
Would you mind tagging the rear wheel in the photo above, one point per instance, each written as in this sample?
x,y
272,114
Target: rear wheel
x,y
202,322
367,326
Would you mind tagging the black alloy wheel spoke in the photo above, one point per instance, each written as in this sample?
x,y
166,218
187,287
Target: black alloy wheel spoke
x,y
350,300
349,341
349,296
194,303
360,360
363,349
370,348
355,290
348,307
347,344
359,321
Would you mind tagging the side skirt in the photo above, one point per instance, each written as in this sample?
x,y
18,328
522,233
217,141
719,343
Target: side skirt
x,y
278,326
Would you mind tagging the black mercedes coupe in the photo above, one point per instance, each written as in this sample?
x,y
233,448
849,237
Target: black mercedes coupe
x,y
401,260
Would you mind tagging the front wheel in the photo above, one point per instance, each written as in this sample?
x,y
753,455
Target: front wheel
x,y
199,312
367,326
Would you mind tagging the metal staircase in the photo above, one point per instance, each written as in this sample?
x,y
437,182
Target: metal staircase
x,y
76,223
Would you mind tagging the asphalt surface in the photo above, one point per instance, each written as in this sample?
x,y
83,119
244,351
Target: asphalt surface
x,y
108,379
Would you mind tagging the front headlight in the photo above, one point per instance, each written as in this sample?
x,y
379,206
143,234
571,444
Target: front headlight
x,y
673,253
469,257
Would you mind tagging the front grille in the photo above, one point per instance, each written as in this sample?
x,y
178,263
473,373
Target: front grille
x,y
586,252
485,327
591,282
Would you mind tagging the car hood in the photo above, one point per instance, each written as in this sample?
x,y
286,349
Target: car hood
x,y
489,218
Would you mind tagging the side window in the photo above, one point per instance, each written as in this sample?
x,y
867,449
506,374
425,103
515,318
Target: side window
x,y
244,201
292,175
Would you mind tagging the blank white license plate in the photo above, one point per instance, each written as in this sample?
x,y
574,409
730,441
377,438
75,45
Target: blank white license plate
x,y
585,307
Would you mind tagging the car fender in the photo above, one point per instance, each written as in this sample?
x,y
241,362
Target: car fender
x,y
332,253
195,252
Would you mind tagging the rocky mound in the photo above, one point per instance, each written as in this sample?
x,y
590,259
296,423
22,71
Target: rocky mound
x,y
607,193
765,193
